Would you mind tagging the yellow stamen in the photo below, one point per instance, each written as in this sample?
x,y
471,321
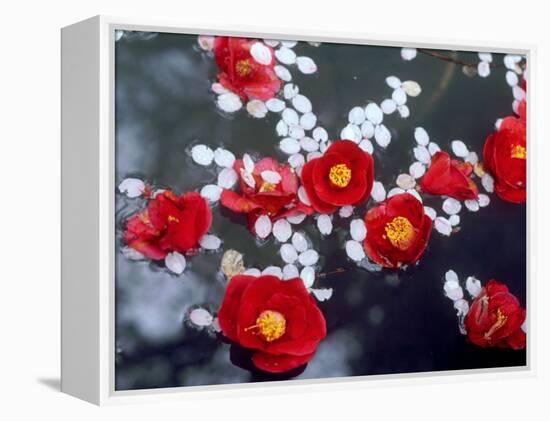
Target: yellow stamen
x,y
519,152
172,219
267,187
400,232
501,321
270,324
340,175
243,67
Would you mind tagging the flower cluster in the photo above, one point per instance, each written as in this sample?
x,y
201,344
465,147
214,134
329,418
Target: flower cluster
x,y
274,312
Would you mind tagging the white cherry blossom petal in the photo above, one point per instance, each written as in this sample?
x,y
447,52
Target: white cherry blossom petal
x,y
320,134
296,218
483,69
351,132
224,158
432,214
273,271
306,65
302,195
288,253
308,144
132,187
454,220
451,206
252,272
378,192
296,160
302,104
324,224
417,169
263,226
411,88
211,192
405,181
272,177
408,54
374,113
256,108
394,191
175,262
367,129
289,146
433,148
356,115
281,128
308,121
471,205
415,194
285,55
308,258
382,135
358,230
472,158
227,178
275,105
488,183
462,307
393,82
282,230
473,286
283,73
290,117
399,96
132,254
229,102
367,146
404,111
421,136
261,53
201,317
202,155
422,154
290,271
322,294
459,148
512,78
443,226
308,276
355,250
483,200
210,242
300,242
345,211
388,106
296,132
218,88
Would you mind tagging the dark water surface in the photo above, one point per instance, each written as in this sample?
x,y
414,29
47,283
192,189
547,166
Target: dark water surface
x,y
388,322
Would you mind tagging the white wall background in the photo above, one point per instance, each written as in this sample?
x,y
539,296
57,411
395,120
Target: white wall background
x,y
29,233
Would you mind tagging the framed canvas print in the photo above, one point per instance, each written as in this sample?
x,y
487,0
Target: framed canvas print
x,y
243,209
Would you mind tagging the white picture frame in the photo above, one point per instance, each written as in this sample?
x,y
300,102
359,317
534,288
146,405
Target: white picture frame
x,y
88,218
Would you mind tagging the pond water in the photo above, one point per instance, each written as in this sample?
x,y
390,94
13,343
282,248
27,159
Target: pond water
x,y
378,323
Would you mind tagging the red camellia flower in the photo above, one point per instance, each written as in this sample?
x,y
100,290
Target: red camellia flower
x,y
449,177
495,318
269,189
278,319
397,231
505,157
241,73
169,223
342,176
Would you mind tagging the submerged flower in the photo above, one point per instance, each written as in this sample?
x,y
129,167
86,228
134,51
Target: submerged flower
x,y
278,319
170,223
495,318
266,188
342,176
397,231
449,177
246,67
505,157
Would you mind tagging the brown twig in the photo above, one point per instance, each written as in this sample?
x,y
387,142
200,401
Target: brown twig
x,y
452,59
337,270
